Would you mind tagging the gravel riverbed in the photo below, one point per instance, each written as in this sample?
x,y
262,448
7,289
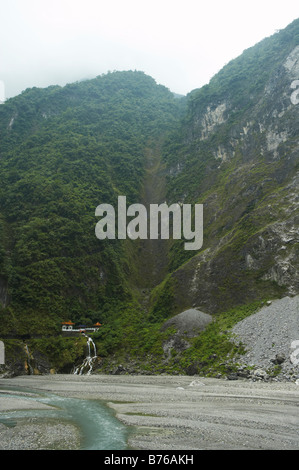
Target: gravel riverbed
x,y
39,434
181,412
172,412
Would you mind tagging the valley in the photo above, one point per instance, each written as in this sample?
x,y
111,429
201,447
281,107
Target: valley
x,y
231,146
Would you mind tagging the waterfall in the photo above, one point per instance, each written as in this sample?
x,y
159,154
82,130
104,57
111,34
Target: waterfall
x,y
89,360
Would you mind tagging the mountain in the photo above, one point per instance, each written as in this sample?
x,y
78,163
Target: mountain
x,y
238,155
64,152
231,146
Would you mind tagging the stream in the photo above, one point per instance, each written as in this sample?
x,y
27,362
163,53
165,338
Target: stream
x,y
99,428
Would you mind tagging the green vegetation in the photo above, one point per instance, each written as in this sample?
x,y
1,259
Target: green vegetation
x,y
208,353
231,145
211,351
64,152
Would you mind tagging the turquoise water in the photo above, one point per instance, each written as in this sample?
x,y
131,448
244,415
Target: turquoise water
x,y
99,428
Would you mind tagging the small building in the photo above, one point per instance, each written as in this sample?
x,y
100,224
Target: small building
x,y
67,326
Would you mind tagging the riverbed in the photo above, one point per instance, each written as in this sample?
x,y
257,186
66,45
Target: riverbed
x,y
156,412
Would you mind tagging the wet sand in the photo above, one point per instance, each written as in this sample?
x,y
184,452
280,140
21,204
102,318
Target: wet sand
x,y
181,412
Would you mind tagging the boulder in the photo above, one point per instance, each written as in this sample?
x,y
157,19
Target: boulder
x,y
279,359
260,374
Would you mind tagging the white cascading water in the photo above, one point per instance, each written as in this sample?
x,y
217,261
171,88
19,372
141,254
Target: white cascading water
x,y
87,364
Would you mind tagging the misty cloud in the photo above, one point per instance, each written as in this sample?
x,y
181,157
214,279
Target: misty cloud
x,y
180,44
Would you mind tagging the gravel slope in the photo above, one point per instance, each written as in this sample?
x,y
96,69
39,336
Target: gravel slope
x,y
271,337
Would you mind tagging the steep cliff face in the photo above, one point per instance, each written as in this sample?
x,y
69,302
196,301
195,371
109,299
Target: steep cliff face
x,y
240,159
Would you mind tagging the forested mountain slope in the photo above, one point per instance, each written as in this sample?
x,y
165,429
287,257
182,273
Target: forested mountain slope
x,y
238,154
232,146
64,151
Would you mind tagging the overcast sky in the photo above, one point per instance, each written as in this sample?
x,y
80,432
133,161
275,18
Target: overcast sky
x,y
180,43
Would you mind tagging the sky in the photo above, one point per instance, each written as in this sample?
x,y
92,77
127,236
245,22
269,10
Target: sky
x,y
180,43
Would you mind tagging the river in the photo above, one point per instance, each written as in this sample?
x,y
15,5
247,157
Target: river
x,y
99,428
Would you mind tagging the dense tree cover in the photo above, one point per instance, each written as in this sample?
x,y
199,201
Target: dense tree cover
x,y
64,151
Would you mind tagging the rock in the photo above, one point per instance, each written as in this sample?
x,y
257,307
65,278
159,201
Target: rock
x,y
232,376
260,374
196,383
119,370
279,359
175,342
244,373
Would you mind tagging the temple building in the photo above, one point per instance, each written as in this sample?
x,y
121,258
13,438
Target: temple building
x,y
68,326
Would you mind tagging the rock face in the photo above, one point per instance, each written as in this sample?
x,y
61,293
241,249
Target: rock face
x,y
245,172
